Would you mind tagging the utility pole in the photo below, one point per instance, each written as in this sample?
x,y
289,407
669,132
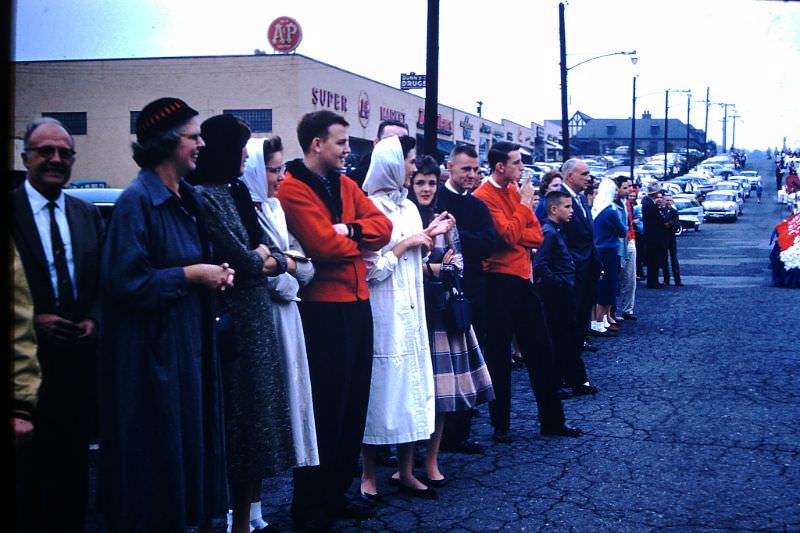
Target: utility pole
x,y
705,130
564,119
666,129
432,82
632,148
733,141
725,130
688,114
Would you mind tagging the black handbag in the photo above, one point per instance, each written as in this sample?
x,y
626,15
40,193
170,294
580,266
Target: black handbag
x,y
458,315
435,293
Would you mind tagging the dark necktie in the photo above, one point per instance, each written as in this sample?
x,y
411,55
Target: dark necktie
x,y
66,296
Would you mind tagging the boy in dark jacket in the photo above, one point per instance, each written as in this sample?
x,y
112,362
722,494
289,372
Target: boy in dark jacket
x,y
554,275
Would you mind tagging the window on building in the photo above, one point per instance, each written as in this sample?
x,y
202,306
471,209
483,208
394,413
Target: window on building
x,y
74,122
611,130
259,120
134,118
654,129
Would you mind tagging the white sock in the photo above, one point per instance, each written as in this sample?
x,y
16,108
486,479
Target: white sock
x,y
606,323
256,519
229,520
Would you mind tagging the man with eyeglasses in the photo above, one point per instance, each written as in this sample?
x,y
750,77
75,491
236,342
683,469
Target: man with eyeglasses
x,y
59,241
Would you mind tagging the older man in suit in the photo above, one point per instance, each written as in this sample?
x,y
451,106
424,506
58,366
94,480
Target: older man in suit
x,y
59,240
654,234
579,236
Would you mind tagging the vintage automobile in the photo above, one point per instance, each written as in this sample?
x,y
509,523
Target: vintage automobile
x,y
752,176
102,197
733,187
690,212
721,205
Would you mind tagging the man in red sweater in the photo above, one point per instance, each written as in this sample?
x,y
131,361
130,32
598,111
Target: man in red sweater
x,y
513,308
333,220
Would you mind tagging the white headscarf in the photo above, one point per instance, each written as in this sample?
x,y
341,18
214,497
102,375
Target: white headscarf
x,y
387,171
271,215
606,194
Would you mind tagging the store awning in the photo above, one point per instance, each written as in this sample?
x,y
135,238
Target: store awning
x,y
553,146
524,151
444,146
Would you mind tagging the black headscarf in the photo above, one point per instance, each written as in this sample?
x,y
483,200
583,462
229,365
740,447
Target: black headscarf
x,y
220,162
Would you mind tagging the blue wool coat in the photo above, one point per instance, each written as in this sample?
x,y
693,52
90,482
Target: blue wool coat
x,y
162,440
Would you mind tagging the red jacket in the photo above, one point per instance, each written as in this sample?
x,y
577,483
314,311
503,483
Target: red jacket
x,y
310,215
518,231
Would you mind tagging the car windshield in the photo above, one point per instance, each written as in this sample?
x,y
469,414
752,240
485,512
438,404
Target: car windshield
x,y
749,173
719,197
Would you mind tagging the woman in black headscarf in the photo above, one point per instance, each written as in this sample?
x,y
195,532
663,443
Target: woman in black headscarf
x,y
257,425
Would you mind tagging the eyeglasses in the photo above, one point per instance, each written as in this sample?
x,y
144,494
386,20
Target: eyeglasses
x,y
192,136
48,151
277,170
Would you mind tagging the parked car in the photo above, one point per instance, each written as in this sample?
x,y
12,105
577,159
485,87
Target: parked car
x,y
752,176
721,205
690,212
733,187
102,197
88,184
744,182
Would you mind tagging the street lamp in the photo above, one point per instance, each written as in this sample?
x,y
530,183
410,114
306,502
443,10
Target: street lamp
x,y
565,69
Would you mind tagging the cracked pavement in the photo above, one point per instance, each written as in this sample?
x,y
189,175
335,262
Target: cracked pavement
x,y
695,427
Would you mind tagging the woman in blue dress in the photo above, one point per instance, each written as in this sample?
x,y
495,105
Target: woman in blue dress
x,y
162,441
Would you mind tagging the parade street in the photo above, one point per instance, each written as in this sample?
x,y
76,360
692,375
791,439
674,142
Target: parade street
x,y
695,427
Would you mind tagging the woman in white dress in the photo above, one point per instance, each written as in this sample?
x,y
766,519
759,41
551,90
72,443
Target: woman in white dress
x,y
401,402
263,175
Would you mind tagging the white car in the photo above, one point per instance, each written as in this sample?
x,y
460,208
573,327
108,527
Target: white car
x,y
733,187
721,205
752,176
690,211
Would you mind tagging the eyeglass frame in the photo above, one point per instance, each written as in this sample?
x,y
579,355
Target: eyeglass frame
x,y
47,151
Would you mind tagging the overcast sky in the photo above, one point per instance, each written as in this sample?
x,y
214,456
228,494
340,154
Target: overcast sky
x,y
503,52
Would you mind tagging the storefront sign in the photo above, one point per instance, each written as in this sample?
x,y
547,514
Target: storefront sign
x,y
363,109
443,126
284,34
485,128
392,114
330,99
466,128
412,81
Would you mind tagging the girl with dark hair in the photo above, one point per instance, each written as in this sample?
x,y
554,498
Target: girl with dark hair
x,y
162,437
257,422
401,399
461,379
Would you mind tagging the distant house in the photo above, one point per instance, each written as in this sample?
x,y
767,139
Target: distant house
x,y
598,136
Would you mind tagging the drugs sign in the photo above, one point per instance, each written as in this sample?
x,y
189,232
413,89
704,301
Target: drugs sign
x,y
412,81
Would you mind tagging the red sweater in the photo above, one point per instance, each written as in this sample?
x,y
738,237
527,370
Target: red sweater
x,y
340,274
518,231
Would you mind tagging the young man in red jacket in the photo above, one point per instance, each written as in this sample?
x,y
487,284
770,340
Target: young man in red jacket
x,y
333,220
514,310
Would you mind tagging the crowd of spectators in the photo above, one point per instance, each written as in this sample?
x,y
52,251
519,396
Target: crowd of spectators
x,y
240,316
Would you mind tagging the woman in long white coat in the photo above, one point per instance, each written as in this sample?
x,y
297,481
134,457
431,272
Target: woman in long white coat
x,y
263,175
401,402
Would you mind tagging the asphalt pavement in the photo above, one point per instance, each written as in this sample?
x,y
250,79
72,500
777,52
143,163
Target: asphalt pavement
x,y
695,427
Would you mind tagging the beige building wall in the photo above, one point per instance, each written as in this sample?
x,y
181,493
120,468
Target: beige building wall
x,y
290,85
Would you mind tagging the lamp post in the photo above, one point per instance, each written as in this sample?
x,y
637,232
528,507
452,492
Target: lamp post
x,y
564,70
632,147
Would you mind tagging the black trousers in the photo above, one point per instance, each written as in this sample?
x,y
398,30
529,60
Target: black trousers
x,y
64,419
656,259
565,333
641,254
585,296
339,347
514,310
672,252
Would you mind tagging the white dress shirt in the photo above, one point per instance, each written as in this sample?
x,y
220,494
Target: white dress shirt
x,y
41,216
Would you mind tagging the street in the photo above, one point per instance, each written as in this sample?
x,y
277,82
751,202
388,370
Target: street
x,y
695,427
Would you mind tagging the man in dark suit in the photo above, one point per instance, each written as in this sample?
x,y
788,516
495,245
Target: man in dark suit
x,y
579,236
654,234
59,240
